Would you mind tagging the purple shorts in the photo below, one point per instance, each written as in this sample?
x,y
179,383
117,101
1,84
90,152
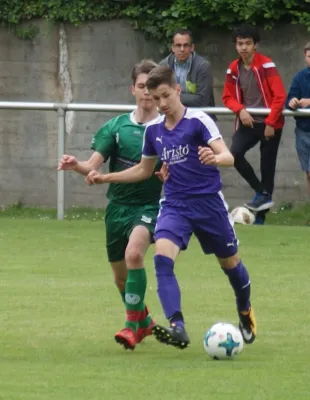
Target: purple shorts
x,y
206,216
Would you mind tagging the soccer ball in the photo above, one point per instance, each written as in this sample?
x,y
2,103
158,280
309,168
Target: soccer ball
x,y
223,341
242,215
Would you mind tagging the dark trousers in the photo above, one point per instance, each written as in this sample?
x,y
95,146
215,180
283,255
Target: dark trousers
x,y
244,139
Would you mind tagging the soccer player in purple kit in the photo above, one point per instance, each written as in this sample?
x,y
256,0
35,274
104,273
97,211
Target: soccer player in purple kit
x,y
190,143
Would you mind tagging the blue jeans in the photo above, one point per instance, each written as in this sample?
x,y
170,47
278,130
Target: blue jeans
x,y
303,148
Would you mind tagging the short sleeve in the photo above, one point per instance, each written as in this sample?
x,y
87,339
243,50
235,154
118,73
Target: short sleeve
x,y
104,141
209,130
148,149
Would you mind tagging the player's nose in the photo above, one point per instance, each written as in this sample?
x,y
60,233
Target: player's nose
x,y
162,103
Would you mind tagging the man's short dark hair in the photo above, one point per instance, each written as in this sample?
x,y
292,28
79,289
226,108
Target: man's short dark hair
x,y
246,31
162,75
182,32
307,47
143,67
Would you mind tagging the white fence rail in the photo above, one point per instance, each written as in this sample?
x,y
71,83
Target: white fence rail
x,y
61,109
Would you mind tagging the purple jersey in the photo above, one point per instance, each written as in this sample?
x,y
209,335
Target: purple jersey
x,y
179,149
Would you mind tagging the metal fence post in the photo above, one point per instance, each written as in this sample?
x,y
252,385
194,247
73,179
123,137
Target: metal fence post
x,y
61,116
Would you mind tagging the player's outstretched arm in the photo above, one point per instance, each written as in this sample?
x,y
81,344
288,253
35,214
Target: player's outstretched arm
x,y
216,154
70,163
139,172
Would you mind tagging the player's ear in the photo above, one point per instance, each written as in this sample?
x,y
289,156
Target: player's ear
x,y
192,48
179,89
133,91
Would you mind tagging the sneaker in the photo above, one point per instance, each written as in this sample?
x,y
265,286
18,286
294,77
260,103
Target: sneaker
x,y
126,338
247,325
144,332
260,202
259,220
173,336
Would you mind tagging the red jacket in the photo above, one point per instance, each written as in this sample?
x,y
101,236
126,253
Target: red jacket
x,y
269,83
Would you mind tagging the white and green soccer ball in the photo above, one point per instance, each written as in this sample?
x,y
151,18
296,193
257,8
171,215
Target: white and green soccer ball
x,y
223,341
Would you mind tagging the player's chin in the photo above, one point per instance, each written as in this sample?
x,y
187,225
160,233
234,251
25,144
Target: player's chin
x,y
147,103
165,111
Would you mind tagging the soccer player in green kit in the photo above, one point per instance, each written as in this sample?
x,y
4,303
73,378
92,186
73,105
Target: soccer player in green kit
x,y
132,209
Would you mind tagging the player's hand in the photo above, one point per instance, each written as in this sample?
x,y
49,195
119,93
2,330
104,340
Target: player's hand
x,y
303,103
246,118
293,103
269,132
94,177
206,156
163,174
67,162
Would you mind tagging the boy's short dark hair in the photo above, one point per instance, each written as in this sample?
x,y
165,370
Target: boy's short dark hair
x,y
143,67
307,47
246,31
182,31
161,75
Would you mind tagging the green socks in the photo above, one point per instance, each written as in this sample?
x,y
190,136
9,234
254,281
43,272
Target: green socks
x,y
134,298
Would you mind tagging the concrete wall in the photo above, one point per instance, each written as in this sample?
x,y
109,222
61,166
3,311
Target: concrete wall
x,y
92,64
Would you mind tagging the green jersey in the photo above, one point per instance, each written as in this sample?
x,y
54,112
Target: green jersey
x,y
120,141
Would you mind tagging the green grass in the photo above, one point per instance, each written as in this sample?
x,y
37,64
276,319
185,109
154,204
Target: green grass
x,y
59,310
284,214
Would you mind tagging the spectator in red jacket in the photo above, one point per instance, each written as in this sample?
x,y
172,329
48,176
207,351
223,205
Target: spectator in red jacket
x,y
253,81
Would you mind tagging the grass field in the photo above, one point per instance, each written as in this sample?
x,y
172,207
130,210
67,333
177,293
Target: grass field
x,y
60,310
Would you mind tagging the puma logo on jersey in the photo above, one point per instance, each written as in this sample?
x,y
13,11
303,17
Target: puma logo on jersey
x,y
159,139
145,219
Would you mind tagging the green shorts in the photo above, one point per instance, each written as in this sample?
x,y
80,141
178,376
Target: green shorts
x,y
120,220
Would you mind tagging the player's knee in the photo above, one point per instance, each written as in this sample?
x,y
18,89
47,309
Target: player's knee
x,y
134,258
229,262
163,266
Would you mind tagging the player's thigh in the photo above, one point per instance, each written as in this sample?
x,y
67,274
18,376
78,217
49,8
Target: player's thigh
x,y
167,248
117,231
146,216
214,227
172,227
142,221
